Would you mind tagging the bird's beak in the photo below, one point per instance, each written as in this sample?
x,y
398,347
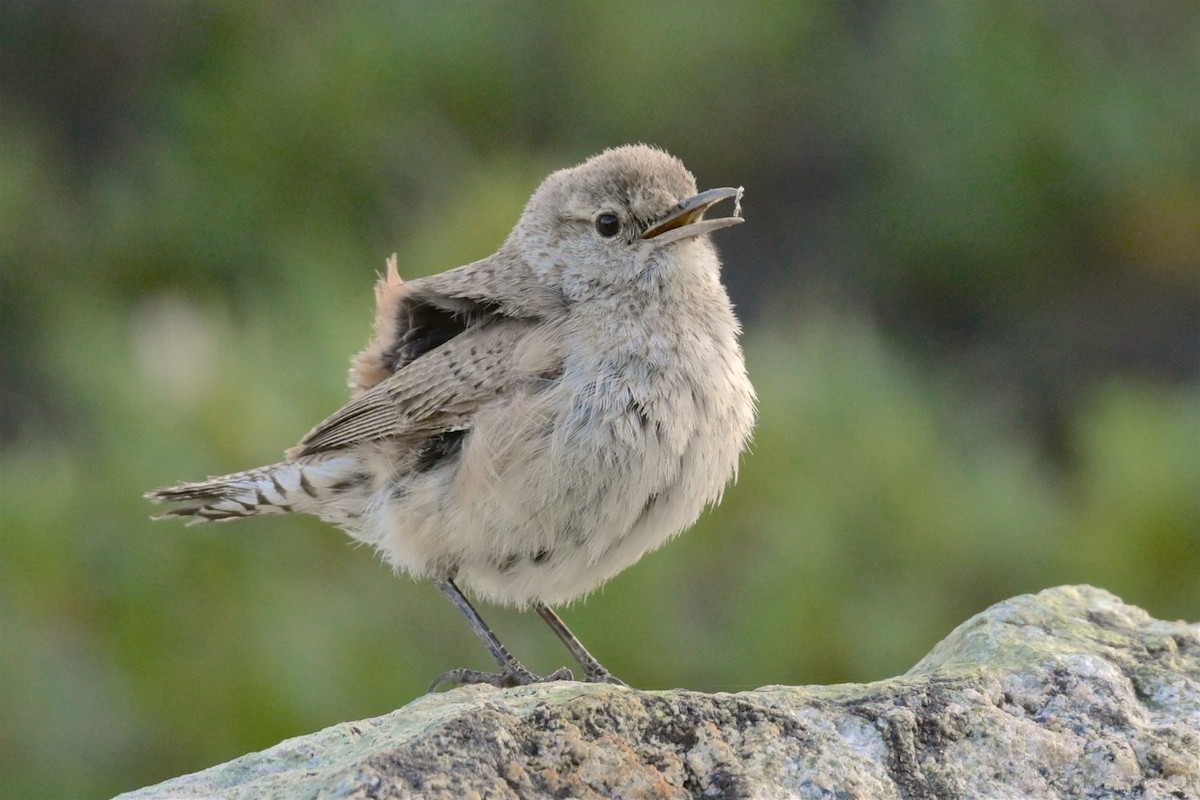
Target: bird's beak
x,y
687,219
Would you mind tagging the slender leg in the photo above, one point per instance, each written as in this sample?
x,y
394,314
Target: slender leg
x,y
594,671
512,672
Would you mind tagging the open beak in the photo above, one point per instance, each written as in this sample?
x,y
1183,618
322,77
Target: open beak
x,y
687,219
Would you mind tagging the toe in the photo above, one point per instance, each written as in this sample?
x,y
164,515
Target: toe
x,y
605,677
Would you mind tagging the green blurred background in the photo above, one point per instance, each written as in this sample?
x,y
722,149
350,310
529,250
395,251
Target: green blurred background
x,y
970,279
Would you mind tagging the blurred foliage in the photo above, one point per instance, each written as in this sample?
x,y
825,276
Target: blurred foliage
x,y
970,284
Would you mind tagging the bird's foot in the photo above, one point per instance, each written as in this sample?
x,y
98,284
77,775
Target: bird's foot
x,y
604,676
516,675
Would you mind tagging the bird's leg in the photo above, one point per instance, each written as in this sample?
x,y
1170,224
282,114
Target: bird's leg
x,y
594,671
512,672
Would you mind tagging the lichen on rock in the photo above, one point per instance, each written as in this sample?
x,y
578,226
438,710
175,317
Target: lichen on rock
x,y
1067,693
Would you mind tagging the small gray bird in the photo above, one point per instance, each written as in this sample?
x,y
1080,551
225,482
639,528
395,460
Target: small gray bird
x,y
532,423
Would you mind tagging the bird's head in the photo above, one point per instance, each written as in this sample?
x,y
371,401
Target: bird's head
x,y
624,214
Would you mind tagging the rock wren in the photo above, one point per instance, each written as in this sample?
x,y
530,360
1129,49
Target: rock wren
x,y
532,423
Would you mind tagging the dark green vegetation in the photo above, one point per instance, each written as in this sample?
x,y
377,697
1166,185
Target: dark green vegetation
x,y
969,278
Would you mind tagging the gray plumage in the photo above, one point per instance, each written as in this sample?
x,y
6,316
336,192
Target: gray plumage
x,y
531,424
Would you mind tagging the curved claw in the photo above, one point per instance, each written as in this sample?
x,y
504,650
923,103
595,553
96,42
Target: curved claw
x,y
605,677
501,680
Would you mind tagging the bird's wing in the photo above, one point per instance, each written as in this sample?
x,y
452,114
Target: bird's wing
x,y
439,388
414,317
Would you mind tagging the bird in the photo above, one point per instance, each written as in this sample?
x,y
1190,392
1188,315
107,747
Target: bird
x,y
528,425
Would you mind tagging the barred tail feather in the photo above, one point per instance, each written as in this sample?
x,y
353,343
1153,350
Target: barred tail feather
x,y
301,485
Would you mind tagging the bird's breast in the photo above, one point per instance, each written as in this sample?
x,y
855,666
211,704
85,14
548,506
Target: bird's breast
x,y
655,385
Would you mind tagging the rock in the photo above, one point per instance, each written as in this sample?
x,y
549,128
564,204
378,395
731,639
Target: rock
x,y
1067,693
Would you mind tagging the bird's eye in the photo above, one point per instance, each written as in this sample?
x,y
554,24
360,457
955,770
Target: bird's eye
x,y
608,225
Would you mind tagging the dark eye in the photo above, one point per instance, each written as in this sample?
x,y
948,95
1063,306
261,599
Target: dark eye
x,y
608,225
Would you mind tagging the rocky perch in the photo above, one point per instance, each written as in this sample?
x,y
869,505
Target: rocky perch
x,y
1067,693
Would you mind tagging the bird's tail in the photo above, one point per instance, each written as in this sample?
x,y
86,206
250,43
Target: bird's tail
x,y
305,485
